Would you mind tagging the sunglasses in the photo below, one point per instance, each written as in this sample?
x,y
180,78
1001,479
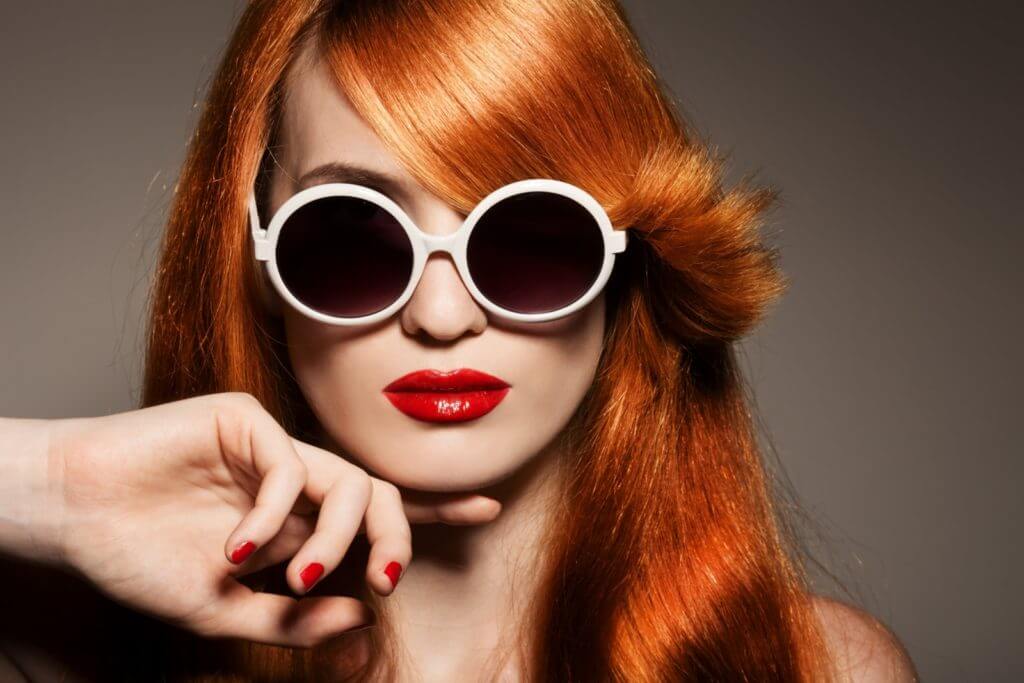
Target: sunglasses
x,y
346,254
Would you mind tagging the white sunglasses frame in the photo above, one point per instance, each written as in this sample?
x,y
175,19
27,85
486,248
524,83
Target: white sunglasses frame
x,y
423,244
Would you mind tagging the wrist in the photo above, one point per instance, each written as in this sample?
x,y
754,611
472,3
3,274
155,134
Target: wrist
x,y
32,510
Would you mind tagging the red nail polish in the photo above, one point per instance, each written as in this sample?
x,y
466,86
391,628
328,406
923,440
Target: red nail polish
x,y
311,573
242,551
393,570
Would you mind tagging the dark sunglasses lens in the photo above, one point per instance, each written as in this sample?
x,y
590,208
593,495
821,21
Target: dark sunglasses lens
x,y
535,252
344,256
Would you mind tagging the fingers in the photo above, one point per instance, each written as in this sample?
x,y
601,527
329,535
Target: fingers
x,y
387,530
279,619
353,502
341,511
248,433
350,501
387,516
323,469
295,531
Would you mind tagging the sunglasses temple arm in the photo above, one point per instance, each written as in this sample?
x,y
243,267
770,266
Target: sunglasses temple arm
x,y
259,236
619,240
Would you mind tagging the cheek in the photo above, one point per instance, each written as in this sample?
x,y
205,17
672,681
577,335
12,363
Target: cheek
x,y
336,368
342,372
554,371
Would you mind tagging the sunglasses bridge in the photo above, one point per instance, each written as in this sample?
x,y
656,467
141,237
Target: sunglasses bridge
x,y
439,242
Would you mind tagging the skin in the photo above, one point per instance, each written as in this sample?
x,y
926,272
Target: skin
x,y
149,506
142,500
342,370
455,598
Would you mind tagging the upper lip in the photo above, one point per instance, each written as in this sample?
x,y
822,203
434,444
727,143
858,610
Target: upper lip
x,y
462,379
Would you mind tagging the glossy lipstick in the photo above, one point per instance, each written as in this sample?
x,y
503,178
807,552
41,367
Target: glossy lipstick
x,y
454,396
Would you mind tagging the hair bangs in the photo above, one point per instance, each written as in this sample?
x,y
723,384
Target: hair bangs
x,y
471,96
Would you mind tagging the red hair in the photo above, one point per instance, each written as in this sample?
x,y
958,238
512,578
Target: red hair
x,y
669,561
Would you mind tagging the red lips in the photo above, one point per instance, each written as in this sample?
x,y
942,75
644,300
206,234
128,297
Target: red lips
x,y
455,396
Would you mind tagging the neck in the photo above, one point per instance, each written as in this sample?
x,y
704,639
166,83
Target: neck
x,y
460,604
462,597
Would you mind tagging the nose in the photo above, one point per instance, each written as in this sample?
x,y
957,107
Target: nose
x,y
441,306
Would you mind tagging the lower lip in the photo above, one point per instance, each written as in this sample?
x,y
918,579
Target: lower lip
x,y
446,406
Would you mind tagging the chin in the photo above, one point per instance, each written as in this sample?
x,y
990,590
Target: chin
x,y
448,472
445,458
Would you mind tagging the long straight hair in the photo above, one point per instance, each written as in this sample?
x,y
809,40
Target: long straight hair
x,y
670,560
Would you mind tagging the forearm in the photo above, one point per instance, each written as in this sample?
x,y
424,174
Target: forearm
x,y
30,483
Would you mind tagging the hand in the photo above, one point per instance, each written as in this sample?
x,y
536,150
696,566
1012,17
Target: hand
x,y
147,498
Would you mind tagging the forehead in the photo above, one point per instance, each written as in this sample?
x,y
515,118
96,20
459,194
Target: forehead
x,y
319,124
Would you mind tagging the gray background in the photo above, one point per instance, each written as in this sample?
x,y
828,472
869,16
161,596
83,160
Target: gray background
x,y
886,379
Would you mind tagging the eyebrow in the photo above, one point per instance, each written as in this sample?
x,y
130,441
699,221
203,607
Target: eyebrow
x,y
345,172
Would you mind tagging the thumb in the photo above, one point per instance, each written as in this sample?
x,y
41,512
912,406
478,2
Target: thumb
x,y
449,508
280,620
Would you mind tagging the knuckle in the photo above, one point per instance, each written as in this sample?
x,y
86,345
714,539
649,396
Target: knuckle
x,y
235,414
361,484
233,429
241,402
247,402
298,470
232,407
353,484
386,488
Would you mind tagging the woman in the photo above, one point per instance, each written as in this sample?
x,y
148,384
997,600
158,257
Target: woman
x,y
560,390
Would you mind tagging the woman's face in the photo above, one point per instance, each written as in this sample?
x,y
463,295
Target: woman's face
x,y
343,370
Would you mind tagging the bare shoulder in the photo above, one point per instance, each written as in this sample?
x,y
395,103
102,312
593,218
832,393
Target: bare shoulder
x,y
865,650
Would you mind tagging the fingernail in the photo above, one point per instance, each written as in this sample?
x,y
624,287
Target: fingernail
x,y
311,573
242,551
393,570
